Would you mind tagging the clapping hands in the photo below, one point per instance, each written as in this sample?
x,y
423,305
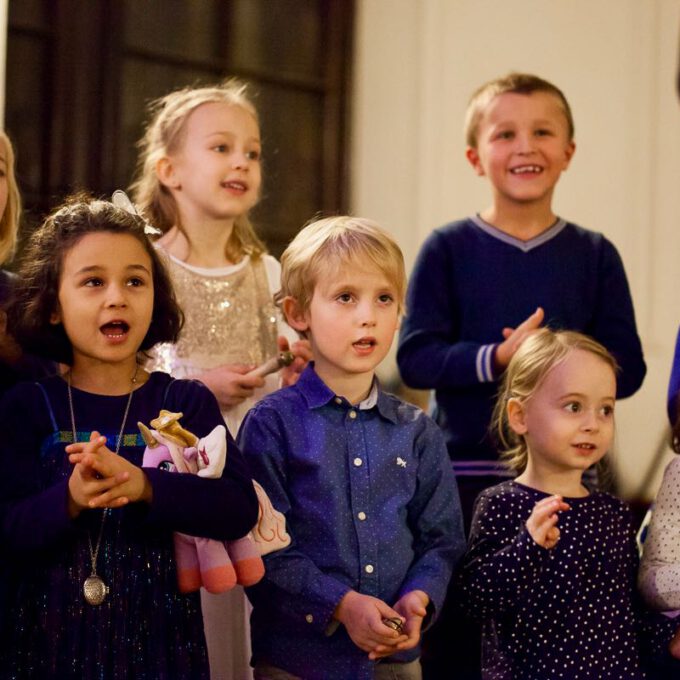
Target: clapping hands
x,y
102,478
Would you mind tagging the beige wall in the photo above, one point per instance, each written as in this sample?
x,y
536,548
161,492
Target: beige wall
x,y
417,62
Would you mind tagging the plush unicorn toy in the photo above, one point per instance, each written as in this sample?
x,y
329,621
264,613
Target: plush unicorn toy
x,y
216,565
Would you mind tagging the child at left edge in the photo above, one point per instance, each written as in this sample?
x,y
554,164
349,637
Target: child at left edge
x,y
363,478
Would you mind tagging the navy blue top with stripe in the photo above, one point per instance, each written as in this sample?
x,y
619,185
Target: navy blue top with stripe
x,y
471,280
145,629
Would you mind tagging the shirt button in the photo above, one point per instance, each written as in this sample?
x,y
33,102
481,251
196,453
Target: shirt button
x,y
361,516
368,568
338,400
352,414
309,618
358,462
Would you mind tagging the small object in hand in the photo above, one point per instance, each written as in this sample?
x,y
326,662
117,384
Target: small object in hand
x,y
395,623
274,364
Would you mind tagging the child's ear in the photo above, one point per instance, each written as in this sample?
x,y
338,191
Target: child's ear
x,y
516,416
473,158
569,153
165,171
295,315
55,317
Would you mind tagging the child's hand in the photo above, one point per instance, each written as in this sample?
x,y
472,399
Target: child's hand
x,y
303,355
514,338
413,608
103,479
85,483
362,616
229,383
542,522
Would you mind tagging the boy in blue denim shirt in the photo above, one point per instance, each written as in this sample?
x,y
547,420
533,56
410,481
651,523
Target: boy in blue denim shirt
x,y
363,478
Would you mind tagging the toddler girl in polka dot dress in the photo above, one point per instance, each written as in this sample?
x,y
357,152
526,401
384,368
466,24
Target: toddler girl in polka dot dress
x,y
551,566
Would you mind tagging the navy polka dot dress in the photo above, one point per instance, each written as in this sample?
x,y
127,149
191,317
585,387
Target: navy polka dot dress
x,y
560,613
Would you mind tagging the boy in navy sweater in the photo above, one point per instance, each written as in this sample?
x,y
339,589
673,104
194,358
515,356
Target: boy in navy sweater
x,y
481,284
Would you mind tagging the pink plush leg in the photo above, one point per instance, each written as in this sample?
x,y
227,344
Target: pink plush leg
x,y
247,561
217,570
188,572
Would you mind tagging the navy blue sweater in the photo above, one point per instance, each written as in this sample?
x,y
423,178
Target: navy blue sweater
x,y
471,280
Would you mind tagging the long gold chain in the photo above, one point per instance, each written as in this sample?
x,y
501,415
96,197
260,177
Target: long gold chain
x,y
101,590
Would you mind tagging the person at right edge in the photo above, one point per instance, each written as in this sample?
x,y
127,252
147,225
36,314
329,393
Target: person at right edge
x,y
481,285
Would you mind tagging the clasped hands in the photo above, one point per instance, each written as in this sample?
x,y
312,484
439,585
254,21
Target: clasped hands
x,y
362,616
102,478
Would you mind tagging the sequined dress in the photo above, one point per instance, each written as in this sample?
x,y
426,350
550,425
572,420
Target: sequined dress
x,y
230,317
145,628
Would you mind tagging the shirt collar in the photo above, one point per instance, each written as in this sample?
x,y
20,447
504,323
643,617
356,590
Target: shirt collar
x,y
316,393
525,246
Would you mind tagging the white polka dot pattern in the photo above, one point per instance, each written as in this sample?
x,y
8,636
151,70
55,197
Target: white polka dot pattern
x,y
659,578
561,613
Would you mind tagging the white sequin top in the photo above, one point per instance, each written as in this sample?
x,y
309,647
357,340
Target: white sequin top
x,y
230,317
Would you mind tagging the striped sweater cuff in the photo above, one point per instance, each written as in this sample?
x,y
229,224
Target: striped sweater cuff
x,y
483,363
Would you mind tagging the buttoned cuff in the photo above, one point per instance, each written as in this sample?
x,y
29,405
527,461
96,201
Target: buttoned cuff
x,y
321,602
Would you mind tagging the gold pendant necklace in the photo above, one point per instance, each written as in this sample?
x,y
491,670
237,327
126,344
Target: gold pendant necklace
x,y
94,588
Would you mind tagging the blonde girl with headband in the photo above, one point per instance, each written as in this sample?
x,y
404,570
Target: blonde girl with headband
x,y
550,569
198,177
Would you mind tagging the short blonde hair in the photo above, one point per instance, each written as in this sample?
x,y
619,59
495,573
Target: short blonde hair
x,y
164,135
334,242
528,368
519,83
9,222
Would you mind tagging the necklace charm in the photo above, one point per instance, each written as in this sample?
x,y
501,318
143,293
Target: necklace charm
x,y
95,590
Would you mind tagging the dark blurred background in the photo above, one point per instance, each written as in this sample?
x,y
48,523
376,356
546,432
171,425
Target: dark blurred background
x,y
80,74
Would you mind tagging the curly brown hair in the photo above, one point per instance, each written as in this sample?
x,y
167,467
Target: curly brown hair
x,y
36,294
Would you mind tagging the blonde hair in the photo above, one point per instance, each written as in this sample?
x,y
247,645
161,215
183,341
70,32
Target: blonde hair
x,y
518,83
164,135
527,370
9,222
334,242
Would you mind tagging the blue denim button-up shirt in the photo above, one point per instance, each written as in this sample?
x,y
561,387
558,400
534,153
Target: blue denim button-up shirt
x,y
371,504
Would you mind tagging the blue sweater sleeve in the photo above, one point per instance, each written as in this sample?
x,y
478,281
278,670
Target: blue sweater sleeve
x,y
431,353
674,384
32,516
614,321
